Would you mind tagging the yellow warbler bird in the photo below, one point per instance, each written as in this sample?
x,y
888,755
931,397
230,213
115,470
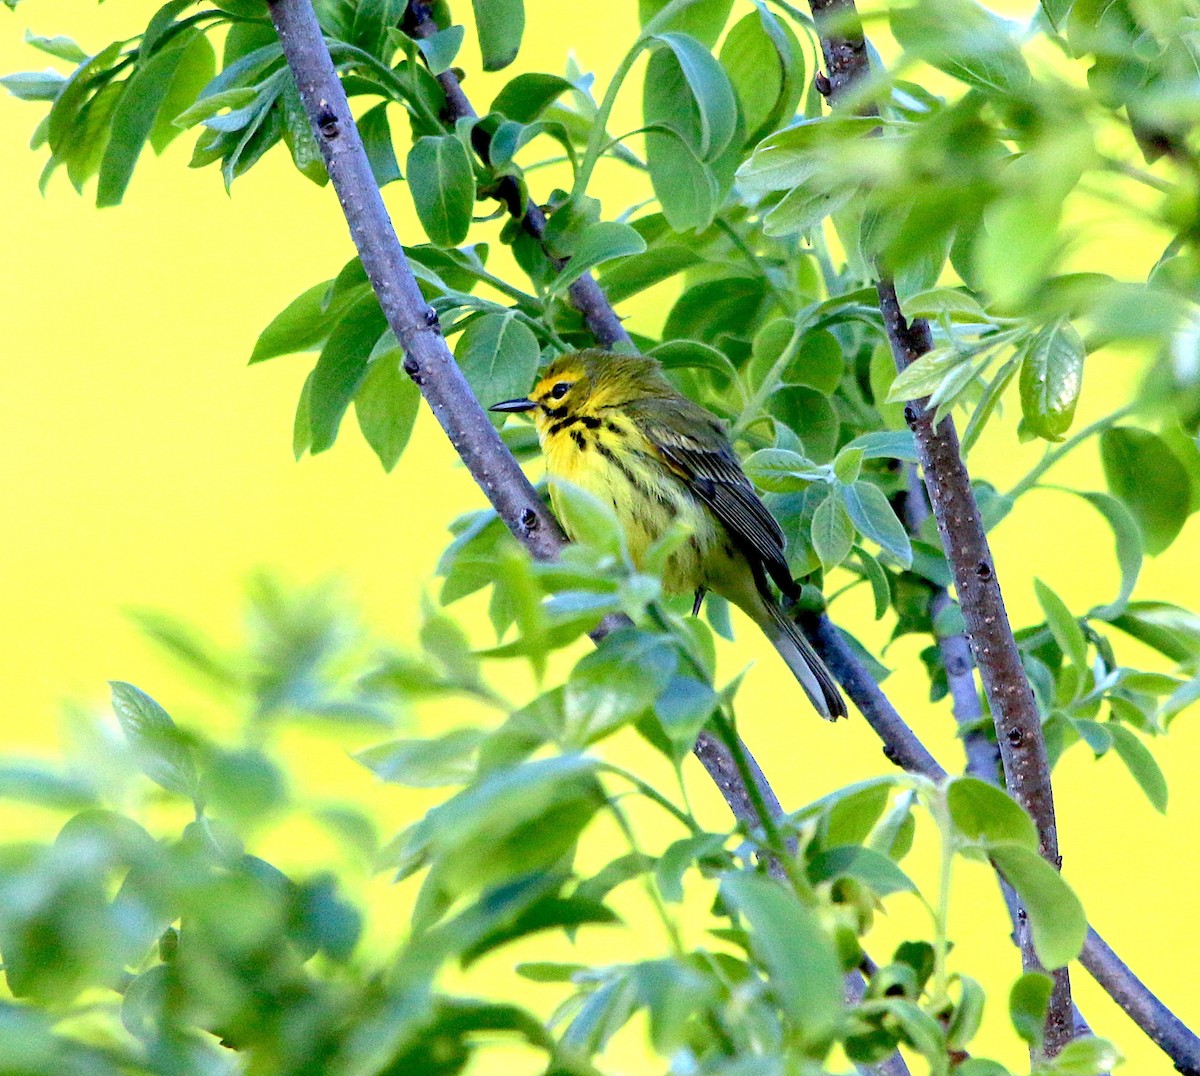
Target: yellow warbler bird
x,y
617,428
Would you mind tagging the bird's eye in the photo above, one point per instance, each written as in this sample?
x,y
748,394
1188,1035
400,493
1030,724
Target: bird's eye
x,y
560,390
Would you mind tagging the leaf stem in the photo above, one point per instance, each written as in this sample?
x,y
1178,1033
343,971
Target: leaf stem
x,y
652,793
1053,455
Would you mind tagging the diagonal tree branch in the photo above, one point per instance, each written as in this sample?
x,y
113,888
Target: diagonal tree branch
x,y
1014,709
498,475
586,295
983,756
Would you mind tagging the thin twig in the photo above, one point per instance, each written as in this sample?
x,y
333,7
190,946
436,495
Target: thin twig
x,y
586,295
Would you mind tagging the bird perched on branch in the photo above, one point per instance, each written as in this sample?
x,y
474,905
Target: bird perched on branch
x,y
617,428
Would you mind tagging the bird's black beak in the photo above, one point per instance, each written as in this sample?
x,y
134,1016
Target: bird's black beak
x,y
521,404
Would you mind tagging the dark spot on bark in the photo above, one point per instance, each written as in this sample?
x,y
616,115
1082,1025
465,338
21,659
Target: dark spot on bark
x,y
983,570
327,122
411,366
889,752
1015,737
822,83
910,414
431,317
529,519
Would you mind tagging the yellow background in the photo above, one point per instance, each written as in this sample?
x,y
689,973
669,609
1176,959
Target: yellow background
x,y
144,465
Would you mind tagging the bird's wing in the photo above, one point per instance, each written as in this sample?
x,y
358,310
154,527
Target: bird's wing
x,y
690,442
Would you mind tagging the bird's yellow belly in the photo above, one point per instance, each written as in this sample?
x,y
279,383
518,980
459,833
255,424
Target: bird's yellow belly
x,y
647,499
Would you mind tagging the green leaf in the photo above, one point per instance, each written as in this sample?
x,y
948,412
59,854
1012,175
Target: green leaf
x,y
765,64
783,160
499,357
617,682
641,271
873,515
704,19
34,85
1051,377
832,533
195,71
966,41
500,25
968,1014
810,415
1096,735
955,304
526,96
303,325
1086,1056
886,445
442,182
1028,1004
1055,915
135,115
779,470
693,355
444,760
163,753
873,869
708,123
924,376
987,815
847,465
440,49
877,577
1161,506
60,47
206,108
376,132
683,709
387,402
341,368
786,936
32,782
302,423
802,209
549,913
1016,247
1063,626
988,402
513,821
684,186
601,242
1142,764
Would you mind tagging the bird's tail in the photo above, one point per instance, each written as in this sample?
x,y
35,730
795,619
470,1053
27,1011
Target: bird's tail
x,y
801,658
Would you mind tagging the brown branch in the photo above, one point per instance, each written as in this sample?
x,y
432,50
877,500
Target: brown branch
x,y
983,756
586,295
1014,709
900,744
